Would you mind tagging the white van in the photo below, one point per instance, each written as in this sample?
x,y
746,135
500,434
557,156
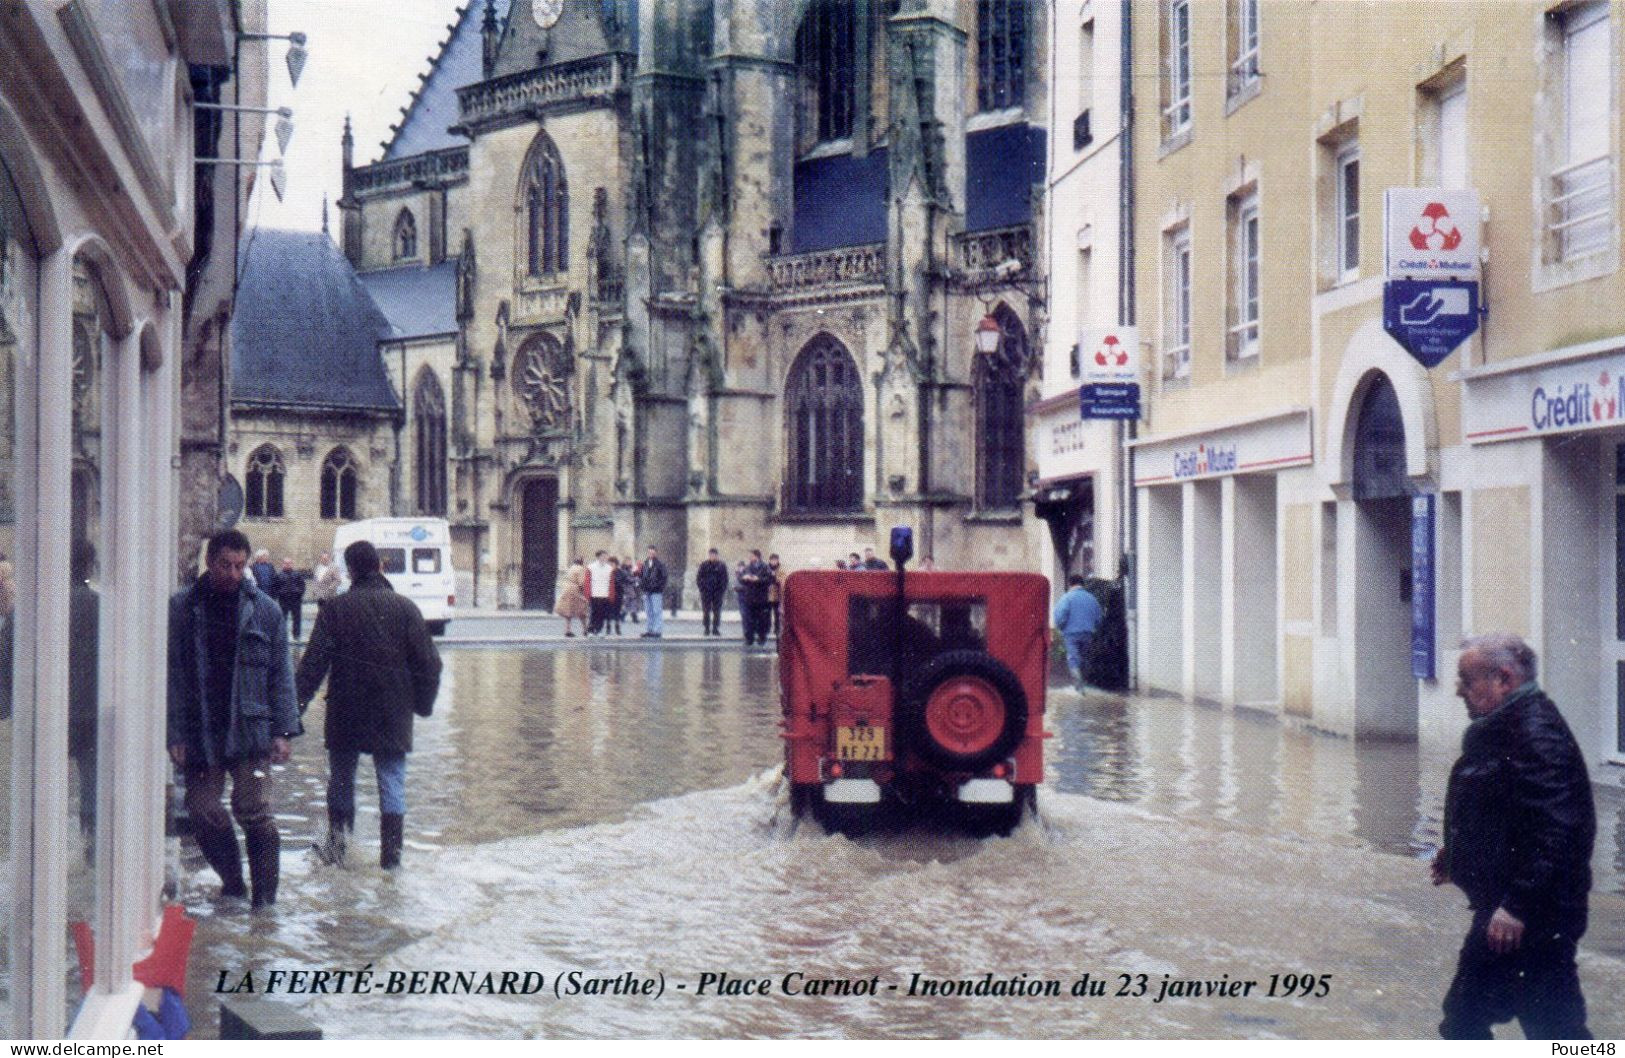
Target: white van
x,y
415,554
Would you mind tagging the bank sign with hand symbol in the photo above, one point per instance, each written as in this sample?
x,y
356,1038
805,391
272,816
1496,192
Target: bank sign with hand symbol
x,y
1430,301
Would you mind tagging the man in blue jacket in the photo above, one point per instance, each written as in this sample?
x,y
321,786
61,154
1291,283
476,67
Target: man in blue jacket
x,y
231,713
1076,617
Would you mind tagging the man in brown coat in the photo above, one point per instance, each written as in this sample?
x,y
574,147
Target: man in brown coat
x,y
382,669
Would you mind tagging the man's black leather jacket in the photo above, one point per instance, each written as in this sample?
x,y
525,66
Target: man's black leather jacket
x,y
1519,819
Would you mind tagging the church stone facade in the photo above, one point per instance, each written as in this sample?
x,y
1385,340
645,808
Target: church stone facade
x,y
713,272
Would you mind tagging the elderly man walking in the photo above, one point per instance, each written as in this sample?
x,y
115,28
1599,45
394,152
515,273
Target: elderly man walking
x,y
382,670
1519,823
231,713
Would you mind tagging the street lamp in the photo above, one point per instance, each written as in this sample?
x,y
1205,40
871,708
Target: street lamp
x,y
297,52
988,335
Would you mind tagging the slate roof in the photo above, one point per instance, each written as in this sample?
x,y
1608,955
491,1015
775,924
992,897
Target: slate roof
x,y
418,301
432,109
306,332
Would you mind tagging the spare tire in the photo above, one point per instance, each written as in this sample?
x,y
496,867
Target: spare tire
x,y
963,710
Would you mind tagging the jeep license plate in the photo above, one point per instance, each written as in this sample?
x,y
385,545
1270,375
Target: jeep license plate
x,y
860,743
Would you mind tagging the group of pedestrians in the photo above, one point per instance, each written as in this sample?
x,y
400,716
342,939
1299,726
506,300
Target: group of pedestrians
x,y
609,590
235,704
287,586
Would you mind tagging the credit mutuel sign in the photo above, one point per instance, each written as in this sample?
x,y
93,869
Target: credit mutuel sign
x,y
1270,442
1505,405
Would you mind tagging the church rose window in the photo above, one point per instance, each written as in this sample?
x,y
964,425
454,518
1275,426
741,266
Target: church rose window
x,y
429,413
264,490
547,210
1000,455
824,424
541,381
340,483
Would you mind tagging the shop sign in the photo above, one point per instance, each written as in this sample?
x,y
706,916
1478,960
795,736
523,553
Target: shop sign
x,y
1109,356
1270,443
1430,318
1585,396
1431,233
1423,608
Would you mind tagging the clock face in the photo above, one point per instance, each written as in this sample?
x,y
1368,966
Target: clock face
x,y
547,12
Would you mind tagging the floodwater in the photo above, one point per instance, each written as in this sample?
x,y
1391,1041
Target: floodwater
x,y
617,815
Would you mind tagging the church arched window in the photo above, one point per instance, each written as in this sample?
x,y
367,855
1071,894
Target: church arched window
x,y
824,429
826,61
546,198
1001,54
429,416
1000,441
406,235
264,479
340,484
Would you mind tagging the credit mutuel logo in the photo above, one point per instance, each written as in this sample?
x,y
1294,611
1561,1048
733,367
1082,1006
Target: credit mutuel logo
x,y
1576,404
1204,459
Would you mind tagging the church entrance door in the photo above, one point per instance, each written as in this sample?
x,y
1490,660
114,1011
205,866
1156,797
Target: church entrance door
x,y
539,532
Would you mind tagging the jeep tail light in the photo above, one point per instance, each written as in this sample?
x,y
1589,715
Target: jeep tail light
x,y
835,769
451,600
1001,770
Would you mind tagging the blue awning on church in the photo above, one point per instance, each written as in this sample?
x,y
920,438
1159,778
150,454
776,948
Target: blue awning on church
x,y
1001,166
839,201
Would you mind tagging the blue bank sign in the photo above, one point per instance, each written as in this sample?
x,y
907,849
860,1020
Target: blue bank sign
x,y
1430,317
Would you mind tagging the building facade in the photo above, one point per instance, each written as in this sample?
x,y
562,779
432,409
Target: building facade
x,y
1080,464
1321,518
106,232
714,272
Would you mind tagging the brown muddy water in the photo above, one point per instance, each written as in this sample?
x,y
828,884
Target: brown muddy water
x,y
618,815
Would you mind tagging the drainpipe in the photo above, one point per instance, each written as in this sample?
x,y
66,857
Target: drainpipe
x,y
1126,318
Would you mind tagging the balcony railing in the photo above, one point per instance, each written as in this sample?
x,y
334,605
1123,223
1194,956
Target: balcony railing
x,y
522,92
984,251
1580,207
848,264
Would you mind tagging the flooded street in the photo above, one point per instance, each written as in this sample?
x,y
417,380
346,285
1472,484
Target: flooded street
x,y
618,812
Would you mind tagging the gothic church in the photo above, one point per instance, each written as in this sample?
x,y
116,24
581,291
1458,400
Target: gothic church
x,y
689,273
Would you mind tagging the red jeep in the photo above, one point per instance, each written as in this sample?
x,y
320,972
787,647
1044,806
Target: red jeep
x,y
912,695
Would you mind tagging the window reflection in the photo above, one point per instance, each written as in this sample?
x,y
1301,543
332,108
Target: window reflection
x,y
17,293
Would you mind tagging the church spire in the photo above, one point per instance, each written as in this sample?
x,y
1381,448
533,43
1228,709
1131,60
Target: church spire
x,y
491,35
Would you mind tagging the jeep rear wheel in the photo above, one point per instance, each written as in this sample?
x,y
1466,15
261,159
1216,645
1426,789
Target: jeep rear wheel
x,y
964,709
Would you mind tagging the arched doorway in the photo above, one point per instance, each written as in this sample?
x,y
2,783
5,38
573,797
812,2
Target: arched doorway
x,y
1385,692
539,542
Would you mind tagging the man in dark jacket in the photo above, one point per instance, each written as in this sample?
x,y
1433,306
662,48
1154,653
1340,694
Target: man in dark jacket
x,y
1519,824
652,579
711,579
754,584
290,593
231,713
382,669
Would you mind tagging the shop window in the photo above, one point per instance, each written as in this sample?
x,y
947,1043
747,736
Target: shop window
x,y
824,430
826,65
340,484
429,423
1000,436
1001,54
264,480
17,607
